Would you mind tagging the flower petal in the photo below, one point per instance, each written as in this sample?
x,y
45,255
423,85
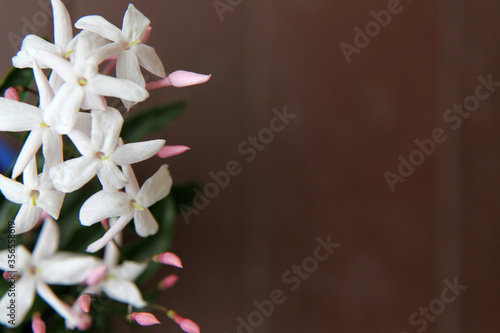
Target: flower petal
x,y
51,201
25,295
123,291
73,174
129,270
48,241
44,89
52,149
106,128
148,58
66,268
58,64
103,205
30,147
111,233
12,190
111,177
62,111
113,87
136,152
145,223
27,217
23,260
32,44
18,116
55,303
134,24
100,26
155,188
63,30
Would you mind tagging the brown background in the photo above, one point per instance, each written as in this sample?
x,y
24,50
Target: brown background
x,y
323,174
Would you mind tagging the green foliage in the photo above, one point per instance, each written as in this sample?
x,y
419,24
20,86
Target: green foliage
x,y
138,125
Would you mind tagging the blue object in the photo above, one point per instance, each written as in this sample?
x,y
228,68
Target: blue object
x,y
7,156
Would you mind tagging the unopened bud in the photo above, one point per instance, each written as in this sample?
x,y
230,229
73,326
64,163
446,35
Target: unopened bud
x,y
143,318
168,282
168,258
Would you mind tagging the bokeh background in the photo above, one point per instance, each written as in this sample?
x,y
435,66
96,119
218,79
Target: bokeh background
x,y
323,175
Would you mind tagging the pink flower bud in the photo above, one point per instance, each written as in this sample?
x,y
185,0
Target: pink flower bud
x,y
84,302
105,223
11,93
11,277
144,318
168,282
169,151
189,326
97,275
146,35
37,324
84,322
168,258
179,79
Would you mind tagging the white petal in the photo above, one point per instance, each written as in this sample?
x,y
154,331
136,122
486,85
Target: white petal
x,y
100,26
25,295
93,101
106,128
113,87
132,187
30,175
22,260
27,217
58,64
32,44
145,223
30,147
55,303
111,177
135,152
18,116
155,188
127,68
103,205
48,241
52,149
51,201
62,112
81,138
44,88
63,30
134,24
129,270
12,190
111,233
73,174
66,268
107,51
84,122
149,59
123,291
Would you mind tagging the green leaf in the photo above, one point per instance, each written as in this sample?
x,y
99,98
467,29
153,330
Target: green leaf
x,y
140,124
17,77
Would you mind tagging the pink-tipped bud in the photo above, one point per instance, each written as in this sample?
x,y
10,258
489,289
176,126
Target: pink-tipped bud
x,y
97,275
168,258
9,276
144,318
189,326
179,79
84,302
105,223
84,322
169,151
11,93
146,35
37,324
168,282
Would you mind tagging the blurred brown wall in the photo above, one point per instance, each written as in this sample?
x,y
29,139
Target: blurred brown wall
x,y
323,174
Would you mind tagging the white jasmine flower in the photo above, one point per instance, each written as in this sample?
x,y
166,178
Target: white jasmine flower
x,y
35,195
63,35
133,204
101,155
127,46
43,267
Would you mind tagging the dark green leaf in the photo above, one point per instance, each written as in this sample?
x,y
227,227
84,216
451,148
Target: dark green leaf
x,y
145,122
17,77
